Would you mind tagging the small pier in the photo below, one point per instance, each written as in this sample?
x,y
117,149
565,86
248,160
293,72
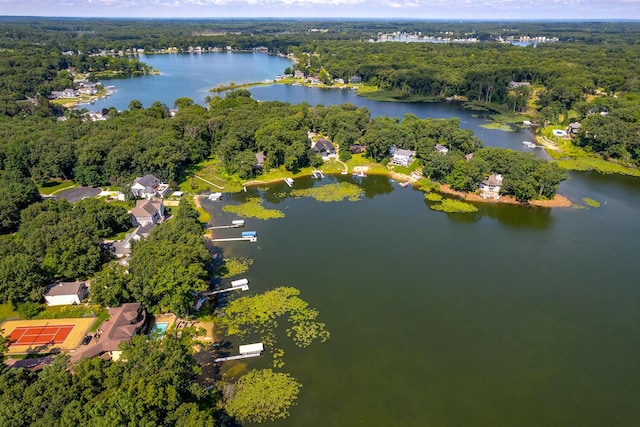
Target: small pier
x,y
237,239
317,174
246,351
289,181
238,223
236,285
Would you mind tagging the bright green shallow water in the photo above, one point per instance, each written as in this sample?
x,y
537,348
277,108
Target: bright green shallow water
x,y
509,317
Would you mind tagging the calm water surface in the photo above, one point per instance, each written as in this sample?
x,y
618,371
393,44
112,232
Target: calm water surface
x,y
508,317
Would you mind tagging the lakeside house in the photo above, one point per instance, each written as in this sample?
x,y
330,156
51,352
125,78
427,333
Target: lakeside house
x,y
66,293
61,94
515,85
355,80
124,323
149,186
260,159
402,157
122,248
573,129
441,149
324,148
148,211
490,187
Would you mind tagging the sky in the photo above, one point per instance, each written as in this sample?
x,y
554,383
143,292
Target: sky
x,y
414,9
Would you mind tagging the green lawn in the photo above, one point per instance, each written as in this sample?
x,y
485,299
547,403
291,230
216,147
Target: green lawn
x,y
55,186
70,311
7,312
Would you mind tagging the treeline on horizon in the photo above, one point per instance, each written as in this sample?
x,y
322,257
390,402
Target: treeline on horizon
x,y
594,69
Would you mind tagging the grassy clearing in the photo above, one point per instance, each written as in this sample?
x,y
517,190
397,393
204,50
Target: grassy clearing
x,y
336,192
70,311
102,316
233,267
452,205
51,187
213,172
253,208
7,312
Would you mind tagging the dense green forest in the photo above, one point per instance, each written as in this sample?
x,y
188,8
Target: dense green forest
x,y
592,69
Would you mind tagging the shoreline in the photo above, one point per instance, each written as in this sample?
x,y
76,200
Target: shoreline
x,y
559,201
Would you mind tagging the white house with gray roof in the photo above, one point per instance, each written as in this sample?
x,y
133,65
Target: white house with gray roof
x,y
148,186
66,293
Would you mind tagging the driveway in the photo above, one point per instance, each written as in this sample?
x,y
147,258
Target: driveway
x,y
78,193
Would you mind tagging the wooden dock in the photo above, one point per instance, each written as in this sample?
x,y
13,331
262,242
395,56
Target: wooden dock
x,y
246,351
238,357
237,239
221,291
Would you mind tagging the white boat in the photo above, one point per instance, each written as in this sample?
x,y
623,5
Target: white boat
x,y
289,181
529,144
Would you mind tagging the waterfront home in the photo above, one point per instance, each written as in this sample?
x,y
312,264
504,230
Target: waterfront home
x,y
515,85
355,80
124,323
148,186
66,293
573,129
122,248
441,149
490,187
324,148
402,157
148,211
298,74
67,93
357,148
260,159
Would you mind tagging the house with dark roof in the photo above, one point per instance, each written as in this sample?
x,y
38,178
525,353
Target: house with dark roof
x,y
490,187
573,129
355,80
148,186
324,147
66,293
124,323
148,211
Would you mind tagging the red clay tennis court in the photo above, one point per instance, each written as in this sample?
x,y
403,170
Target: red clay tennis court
x,y
38,335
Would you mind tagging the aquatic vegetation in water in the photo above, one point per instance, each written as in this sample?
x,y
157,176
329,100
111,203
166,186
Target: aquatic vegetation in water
x,y
233,267
331,192
253,209
433,197
590,202
452,205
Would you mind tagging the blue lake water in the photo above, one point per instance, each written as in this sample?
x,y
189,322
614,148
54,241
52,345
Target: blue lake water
x,y
511,316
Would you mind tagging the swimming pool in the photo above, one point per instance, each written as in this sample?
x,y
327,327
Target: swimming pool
x,y
159,328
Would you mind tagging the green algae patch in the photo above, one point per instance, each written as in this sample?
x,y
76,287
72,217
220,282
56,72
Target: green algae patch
x,y
331,192
590,202
253,208
452,205
234,266
433,197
